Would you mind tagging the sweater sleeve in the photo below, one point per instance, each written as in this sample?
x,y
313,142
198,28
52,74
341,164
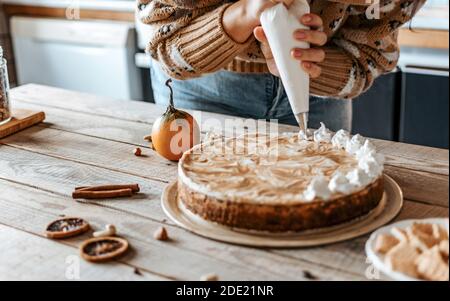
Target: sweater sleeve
x,y
362,50
190,42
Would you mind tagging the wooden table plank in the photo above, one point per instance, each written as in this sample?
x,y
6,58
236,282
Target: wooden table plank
x,y
126,110
426,186
146,207
130,110
24,208
414,157
397,154
347,253
101,127
50,174
30,209
25,256
61,177
90,150
422,171
421,186
88,140
87,150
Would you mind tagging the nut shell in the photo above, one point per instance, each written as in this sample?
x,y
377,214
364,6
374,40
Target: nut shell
x,y
137,152
161,234
209,277
66,227
103,248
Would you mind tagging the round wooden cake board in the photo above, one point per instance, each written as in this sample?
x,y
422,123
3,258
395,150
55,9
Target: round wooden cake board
x,y
388,208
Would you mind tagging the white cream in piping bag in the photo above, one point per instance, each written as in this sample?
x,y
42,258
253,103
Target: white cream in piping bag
x,y
279,24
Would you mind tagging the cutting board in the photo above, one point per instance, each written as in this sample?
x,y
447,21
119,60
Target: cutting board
x,y
22,119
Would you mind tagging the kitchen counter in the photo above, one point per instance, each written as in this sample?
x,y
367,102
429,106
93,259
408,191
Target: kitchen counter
x,y
87,140
434,15
125,6
430,25
88,9
431,17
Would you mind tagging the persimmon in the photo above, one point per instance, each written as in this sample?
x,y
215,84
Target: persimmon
x,y
175,132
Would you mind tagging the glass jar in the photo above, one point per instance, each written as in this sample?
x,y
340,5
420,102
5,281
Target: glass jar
x,y
5,111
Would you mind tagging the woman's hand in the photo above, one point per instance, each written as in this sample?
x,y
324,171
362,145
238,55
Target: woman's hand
x,y
255,8
241,18
308,57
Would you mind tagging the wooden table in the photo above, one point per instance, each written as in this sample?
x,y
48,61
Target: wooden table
x,y
90,140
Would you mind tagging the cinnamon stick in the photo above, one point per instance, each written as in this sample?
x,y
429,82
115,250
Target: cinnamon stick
x,y
102,194
133,187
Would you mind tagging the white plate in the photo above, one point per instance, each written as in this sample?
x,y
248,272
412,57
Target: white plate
x,y
377,258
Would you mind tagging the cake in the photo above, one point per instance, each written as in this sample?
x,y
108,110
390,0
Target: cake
x,y
284,182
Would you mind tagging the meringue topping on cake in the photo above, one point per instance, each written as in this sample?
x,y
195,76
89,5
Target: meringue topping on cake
x,y
260,168
323,134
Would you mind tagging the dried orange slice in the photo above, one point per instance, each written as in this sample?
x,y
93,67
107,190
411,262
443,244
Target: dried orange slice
x,y
66,227
103,248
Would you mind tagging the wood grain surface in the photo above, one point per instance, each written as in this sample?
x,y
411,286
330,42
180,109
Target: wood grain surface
x,y
88,140
57,12
21,119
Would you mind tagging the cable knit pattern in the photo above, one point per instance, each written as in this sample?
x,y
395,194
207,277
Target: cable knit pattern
x,y
188,40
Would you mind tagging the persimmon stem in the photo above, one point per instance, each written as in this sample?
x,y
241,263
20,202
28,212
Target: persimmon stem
x,y
171,93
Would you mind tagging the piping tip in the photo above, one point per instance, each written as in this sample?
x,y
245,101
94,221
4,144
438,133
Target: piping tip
x,y
302,120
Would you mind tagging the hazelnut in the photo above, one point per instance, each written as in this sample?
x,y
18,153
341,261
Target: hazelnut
x,y
161,234
110,230
137,152
209,277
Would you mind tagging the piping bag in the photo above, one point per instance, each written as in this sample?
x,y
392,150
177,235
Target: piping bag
x,y
279,24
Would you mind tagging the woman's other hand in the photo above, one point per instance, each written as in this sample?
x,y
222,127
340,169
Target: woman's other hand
x,y
241,18
308,57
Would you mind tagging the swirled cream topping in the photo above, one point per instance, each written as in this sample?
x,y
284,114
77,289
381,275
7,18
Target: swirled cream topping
x,y
285,168
323,134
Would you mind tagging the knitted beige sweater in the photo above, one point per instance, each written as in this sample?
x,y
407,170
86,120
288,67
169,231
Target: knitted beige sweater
x,y
188,40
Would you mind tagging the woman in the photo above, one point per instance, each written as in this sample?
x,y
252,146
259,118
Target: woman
x,y
218,52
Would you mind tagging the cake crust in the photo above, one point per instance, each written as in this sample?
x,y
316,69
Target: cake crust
x,y
282,217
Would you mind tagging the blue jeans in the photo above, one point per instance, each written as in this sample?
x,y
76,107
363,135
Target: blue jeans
x,y
257,96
